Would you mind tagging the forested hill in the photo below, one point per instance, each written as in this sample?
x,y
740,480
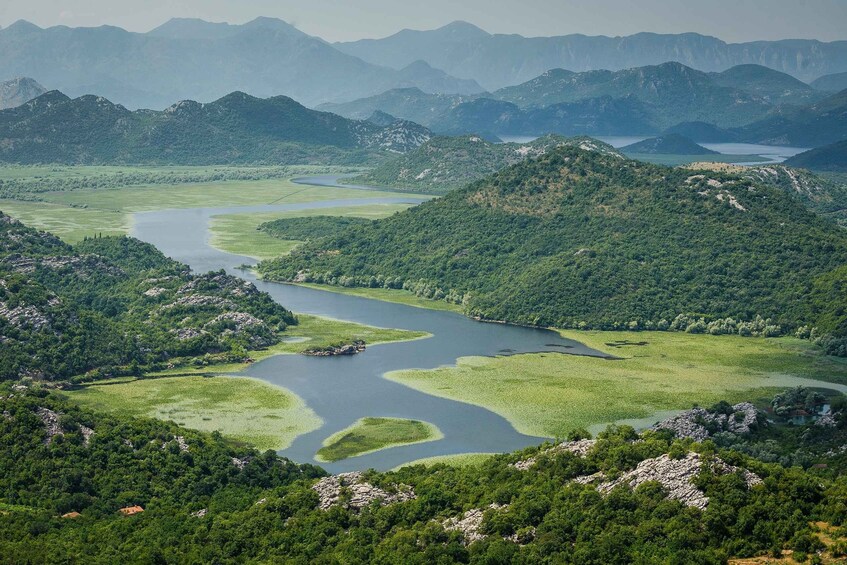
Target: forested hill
x,y
237,128
70,481
579,239
446,163
111,306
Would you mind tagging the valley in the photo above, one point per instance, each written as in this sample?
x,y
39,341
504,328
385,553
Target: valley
x,y
295,291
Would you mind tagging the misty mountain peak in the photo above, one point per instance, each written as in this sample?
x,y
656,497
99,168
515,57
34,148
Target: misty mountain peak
x,y
460,29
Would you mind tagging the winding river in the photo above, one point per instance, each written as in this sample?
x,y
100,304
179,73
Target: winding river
x,y
340,390
343,389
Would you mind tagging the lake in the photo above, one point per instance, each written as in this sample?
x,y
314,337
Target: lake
x,y
343,389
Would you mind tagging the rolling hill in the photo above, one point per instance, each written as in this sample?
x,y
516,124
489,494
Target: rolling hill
x,y
446,163
498,60
831,158
671,93
579,239
594,116
831,83
193,59
113,305
234,129
18,91
669,144
773,86
821,123
407,103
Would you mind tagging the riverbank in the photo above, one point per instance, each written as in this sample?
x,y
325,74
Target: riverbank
x,y
276,416
368,435
549,394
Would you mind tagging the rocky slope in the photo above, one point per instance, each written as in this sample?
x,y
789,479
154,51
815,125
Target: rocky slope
x,y
114,305
18,91
445,163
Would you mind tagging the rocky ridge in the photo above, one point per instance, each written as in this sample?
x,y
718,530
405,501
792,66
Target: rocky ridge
x,y
580,448
351,491
675,476
700,424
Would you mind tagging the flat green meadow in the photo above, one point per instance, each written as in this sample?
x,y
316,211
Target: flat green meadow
x,y
372,434
239,233
240,408
549,394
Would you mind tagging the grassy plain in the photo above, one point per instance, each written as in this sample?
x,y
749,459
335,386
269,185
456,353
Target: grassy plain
x,y
70,224
74,214
372,434
549,394
240,408
457,460
238,233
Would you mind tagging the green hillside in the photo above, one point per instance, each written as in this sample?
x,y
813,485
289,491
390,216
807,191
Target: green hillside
x,y
234,129
671,92
580,239
76,485
668,144
116,305
446,163
771,85
821,123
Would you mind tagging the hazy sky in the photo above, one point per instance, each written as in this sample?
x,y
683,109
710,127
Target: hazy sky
x,y
339,20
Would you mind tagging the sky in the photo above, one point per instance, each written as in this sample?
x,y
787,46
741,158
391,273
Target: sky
x,y
344,20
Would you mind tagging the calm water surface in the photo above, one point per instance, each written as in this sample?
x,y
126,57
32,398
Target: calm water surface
x,y
343,389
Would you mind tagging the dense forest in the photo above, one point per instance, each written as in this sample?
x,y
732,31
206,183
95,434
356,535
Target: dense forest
x,y
198,499
583,240
116,305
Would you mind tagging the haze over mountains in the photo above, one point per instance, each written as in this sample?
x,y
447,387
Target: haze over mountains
x,y
499,60
198,60
18,91
745,103
193,59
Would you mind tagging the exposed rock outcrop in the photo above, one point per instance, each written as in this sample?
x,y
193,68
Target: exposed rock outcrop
x,y
580,448
350,490
675,476
696,423
51,423
470,522
347,349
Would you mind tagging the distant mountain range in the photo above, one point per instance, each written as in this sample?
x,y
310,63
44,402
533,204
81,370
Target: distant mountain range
x,y
670,92
495,61
16,91
747,103
237,128
186,58
198,60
